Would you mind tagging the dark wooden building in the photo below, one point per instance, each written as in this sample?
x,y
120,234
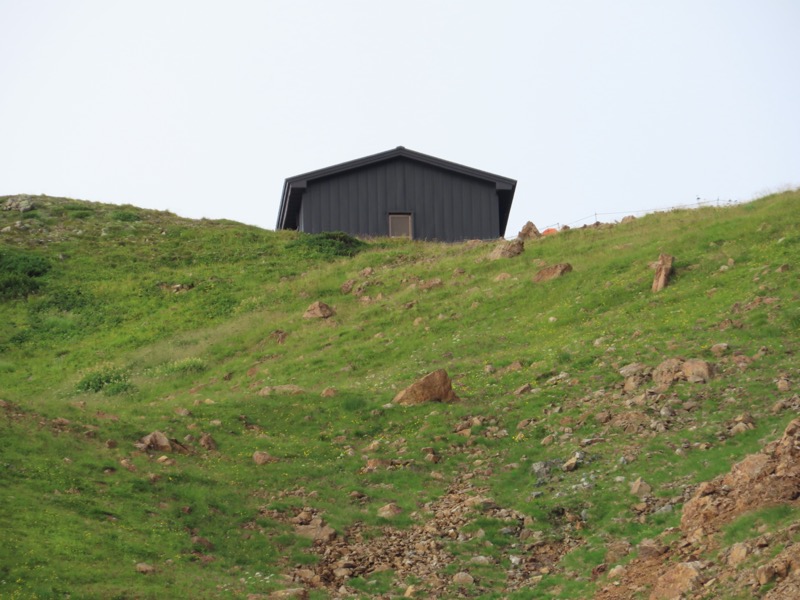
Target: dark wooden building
x,y
399,193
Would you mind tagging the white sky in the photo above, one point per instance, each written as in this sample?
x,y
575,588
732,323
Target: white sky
x,y
204,108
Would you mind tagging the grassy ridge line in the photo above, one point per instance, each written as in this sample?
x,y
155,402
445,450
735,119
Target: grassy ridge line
x,y
372,350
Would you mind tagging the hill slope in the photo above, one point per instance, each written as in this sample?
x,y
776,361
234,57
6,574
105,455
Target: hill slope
x,y
119,322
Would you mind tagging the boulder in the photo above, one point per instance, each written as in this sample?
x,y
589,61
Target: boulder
x,y
155,441
260,457
507,250
697,371
388,511
663,272
529,231
434,387
679,580
318,310
552,272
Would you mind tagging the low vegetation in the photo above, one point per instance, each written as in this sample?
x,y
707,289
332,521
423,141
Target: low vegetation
x,y
287,466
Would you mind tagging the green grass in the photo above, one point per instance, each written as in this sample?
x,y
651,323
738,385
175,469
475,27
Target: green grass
x,y
136,320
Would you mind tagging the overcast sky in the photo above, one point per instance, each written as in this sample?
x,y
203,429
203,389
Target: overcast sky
x,y
205,107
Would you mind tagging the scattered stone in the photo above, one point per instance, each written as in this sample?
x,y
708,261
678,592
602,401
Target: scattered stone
x,y
616,572
649,548
523,389
720,349
571,464
640,488
697,371
154,441
289,594
318,310
507,250
552,272
328,392
434,387
286,390
388,511
347,286
738,554
663,271
208,442
430,284
681,579
261,457
502,276
463,578
784,385
145,569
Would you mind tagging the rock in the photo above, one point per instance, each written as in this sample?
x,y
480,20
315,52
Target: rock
x,y
328,392
616,572
286,390
261,457
290,593
765,574
634,369
507,250
681,579
663,272
768,477
650,548
571,464
430,284
22,203
410,591
347,286
720,349
552,272
668,372
697,371
502,276
640,488
529,231
523,389
784,385
387,511
203,542
207,442
434,387
145,569
316,530
463,578
318,310
737,554
155,441
480,560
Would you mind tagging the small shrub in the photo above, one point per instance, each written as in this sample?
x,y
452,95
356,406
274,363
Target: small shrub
x,y
126,216
331,244
109,379
182,367
18,273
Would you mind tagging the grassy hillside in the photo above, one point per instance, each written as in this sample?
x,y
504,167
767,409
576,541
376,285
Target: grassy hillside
x,y
116,322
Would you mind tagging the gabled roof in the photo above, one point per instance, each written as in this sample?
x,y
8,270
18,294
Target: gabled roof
x,y
294,187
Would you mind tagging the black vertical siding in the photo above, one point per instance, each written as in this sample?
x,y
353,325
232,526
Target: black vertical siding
x,y
445,205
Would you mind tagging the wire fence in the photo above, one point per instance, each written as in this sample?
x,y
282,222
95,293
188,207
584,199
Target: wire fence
x,y
597,216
